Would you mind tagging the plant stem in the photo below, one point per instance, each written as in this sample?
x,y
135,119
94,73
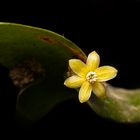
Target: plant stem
x,y
122,105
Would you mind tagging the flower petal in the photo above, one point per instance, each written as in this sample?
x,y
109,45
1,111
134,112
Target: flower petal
x,y
74,82
85,92
98,89
78,67
93,61
105,73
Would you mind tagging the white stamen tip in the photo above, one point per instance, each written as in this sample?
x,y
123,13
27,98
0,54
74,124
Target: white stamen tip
x,y
91,77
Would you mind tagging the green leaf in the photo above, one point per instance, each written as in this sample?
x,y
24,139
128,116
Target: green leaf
x,y
25,50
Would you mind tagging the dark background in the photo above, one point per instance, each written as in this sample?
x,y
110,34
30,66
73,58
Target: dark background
x,y
111,28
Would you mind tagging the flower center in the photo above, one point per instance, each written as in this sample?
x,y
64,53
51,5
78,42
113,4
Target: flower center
x,y
91,77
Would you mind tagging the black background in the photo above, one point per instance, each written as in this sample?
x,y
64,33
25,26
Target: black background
x,y
109,27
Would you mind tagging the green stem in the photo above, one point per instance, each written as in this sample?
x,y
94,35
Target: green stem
x,y
122,105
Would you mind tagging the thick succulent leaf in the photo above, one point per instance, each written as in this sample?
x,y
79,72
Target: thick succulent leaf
x,y
20,43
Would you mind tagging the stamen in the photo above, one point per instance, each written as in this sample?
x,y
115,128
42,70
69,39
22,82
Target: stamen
x,y
91,77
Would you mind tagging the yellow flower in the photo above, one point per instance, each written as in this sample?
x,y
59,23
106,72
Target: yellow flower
x,y
89,77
